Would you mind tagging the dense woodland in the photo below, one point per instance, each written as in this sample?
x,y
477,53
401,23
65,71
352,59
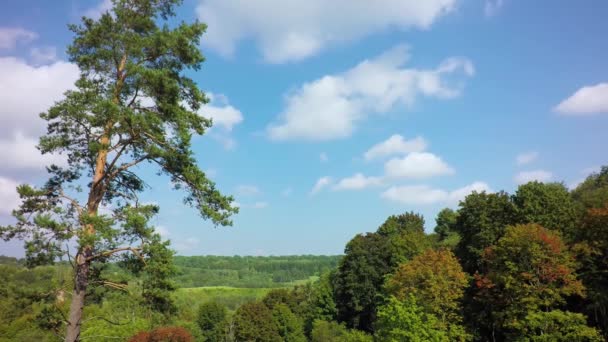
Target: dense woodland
x,y
527,266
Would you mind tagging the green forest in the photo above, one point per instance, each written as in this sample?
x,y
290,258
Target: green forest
x,y
531,265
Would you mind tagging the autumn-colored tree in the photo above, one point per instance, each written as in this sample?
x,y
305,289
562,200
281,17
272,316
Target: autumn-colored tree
x,y
437,280
482,219
528,270
132,105
163,334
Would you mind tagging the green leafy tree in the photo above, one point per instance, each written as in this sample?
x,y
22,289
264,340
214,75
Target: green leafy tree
x,y
406,321
591,246
557,326
437,280
444,223
529,269
329,331
132,106
547,204
396,224
359,279
368,259
254,322
482,219
289,325
211,319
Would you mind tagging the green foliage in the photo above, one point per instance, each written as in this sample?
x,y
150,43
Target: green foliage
x,y
250,271
556,326
406,321
368,259
437,280
211,319
359,279
528,270
324,331
288,325
546,204
254,322
407,222
445,221
593,191
482,219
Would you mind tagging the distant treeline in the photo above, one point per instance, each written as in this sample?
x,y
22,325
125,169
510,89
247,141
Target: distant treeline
x,y
250,271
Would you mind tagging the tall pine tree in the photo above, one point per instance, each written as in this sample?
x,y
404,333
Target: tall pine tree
x,y
132,106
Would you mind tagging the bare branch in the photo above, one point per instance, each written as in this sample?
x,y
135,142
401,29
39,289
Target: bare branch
x,y
133,250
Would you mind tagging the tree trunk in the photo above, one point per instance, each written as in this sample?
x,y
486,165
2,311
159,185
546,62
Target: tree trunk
x,y
81,281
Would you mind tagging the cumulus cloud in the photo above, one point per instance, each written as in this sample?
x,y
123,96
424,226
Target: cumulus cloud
x,y
20,153
321,184
25,92
9,199
588,100
43,55
395,145
535,175
417,165
334,105
357,182
290,30
526,157
221,112
10,37
425,195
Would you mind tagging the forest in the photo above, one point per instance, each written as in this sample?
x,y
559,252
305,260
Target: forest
x,y
531,265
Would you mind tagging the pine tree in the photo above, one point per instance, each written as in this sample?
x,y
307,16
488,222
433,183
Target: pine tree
x,y
131,106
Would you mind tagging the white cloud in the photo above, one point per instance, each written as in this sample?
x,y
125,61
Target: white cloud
x,y
20,153
260,205
586,101
20,124
43,55
425,195
535,175
357,182
9,198
221,112
321,184
333,106
11,36
290,30
19,81
526,157
395,144
97,11
323,157
492,7
247,190
417,165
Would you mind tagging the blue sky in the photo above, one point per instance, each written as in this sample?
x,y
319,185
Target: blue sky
x,y
332,116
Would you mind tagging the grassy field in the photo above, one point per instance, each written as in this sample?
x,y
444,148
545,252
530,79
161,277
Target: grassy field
x,y
231,297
